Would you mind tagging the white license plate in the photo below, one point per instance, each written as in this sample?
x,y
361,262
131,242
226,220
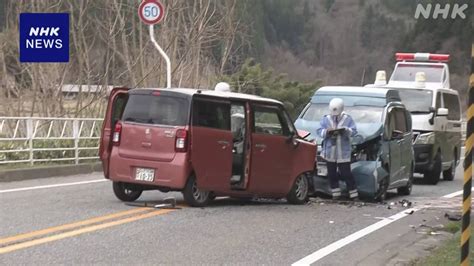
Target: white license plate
x,y
322,169
145,174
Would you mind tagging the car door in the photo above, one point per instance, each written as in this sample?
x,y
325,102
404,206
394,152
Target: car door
x,y
272,152
116,104
211,143
404,125
394,143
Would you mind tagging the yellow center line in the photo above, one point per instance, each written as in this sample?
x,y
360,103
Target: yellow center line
x,y
80,231
53,229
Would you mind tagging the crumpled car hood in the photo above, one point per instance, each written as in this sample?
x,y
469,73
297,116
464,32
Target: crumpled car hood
x,y
366,131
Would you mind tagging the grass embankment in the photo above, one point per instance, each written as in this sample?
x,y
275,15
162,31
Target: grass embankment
x,y
449,253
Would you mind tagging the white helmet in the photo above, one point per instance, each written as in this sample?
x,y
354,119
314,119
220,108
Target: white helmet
x,y
336,106
222,86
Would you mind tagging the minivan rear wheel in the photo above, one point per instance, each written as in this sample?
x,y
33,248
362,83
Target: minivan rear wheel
x,y
194,196
299,192
432,177
123,193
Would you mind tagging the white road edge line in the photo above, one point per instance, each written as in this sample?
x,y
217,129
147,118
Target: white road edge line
x,y
312,258
53,186
455,194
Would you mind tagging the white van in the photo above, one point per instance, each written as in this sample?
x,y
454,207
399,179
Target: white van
x,y
423,83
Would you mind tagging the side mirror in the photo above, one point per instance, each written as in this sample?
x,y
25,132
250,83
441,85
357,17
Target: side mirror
x,y
303,134
293,139
442,112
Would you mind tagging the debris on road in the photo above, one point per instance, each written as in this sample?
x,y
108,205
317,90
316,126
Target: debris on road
x,y
453,216
168,203
405,203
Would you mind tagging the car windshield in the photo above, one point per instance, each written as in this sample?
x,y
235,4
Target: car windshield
x,y
149,109
407,72
360,114
416,101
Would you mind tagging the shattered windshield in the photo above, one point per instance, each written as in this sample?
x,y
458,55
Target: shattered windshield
x,y
416,101
360,114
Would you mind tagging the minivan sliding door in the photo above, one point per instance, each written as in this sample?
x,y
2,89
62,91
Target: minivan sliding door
x,y
211,143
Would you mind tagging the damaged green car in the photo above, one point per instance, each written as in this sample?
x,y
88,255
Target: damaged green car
x,y
382,156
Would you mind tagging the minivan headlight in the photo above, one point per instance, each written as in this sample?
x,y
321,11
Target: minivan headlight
x,y
427,138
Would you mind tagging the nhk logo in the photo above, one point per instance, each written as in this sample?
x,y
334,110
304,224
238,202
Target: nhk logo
x,y
44,37
428,11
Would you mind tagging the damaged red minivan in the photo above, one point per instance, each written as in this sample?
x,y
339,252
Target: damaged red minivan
x,y
205,144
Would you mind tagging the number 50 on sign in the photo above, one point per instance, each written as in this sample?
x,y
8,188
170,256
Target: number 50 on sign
x,y
151,11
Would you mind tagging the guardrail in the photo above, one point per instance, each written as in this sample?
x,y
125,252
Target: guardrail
x,y
48,139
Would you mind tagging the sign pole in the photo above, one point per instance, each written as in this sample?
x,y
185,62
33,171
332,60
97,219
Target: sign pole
x,y
164,55
466,199
152,12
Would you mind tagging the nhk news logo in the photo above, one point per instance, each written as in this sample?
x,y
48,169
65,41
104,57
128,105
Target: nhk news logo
x,y
44,37
434,11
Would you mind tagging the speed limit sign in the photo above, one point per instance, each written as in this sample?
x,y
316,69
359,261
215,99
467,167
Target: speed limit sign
x,y
151,11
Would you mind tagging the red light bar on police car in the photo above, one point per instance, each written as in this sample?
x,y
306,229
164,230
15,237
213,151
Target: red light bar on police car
x,y
422,57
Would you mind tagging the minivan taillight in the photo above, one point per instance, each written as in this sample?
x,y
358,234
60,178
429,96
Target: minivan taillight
x,y
181,143
116,134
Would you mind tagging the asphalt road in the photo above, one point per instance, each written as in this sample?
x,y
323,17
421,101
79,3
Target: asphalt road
x,y
84,223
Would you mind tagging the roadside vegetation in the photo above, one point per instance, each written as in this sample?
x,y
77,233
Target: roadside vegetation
x,y
449,252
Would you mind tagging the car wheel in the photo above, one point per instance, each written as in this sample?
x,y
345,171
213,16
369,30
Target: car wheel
x,y
125,194
299,192
194,196
450,173
432,177
406,190
382,192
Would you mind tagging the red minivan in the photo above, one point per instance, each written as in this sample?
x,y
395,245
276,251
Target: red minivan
x,y
205,144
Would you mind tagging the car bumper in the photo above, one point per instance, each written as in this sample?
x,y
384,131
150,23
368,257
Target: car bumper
x,y
367,175
423,157
172,175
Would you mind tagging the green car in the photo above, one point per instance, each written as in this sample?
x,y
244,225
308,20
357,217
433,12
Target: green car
x,y
382,157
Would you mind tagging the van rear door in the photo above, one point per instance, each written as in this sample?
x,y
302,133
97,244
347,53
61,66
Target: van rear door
x,y
117,100
211,143
150,123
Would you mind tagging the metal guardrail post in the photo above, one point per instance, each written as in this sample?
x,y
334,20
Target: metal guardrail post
x,y
466,199
29,136
75,130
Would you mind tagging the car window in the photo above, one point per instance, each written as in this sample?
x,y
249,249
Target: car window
x,y
451,102
207,113
151,109
268,120
118,107
237,121
400,120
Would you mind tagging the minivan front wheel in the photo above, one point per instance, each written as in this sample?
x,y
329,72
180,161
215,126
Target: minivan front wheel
x,y
123,193
406,190
432,177
299,192
450,173
194,196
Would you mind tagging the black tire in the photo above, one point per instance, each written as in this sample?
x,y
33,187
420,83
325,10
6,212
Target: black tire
x,y
193,196
406,190
432,177
299,191
125,194
450,173
381,195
